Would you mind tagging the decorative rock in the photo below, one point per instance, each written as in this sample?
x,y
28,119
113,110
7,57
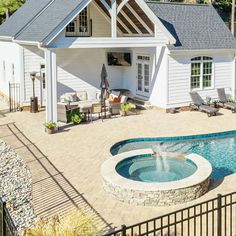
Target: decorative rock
x,y
15,187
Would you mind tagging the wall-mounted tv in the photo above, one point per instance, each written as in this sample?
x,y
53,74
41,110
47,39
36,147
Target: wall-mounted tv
x,y
119,58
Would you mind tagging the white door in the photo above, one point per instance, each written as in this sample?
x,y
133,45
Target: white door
x,y
143,75
43,85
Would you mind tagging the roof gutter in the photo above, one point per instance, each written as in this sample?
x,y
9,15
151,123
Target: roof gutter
x,y
197,51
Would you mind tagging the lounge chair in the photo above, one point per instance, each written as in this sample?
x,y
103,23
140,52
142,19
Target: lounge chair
x,y
223,101
200,105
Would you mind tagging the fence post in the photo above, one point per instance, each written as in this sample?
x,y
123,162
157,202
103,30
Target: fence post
x,y
4,230
219,214
123,227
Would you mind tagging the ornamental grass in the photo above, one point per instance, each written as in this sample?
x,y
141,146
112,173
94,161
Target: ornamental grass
x,y
74,223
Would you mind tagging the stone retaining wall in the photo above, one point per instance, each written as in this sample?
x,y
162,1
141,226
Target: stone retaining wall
x,y
157,198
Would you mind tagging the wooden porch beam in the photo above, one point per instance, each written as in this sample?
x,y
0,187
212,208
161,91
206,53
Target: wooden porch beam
x,y
131,22
139,19
106,6
113,19
121,6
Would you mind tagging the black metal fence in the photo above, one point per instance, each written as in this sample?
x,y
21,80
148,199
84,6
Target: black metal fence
x,y
215,217
14,97
7,227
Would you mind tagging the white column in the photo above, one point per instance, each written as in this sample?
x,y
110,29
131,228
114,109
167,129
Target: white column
x,y
113,19
51,85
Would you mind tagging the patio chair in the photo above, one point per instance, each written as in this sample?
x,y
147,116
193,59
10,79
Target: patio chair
x,y
223,101
115,107
200,105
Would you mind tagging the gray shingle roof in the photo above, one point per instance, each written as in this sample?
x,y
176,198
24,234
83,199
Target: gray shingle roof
x,y
22,17
48,20
194,26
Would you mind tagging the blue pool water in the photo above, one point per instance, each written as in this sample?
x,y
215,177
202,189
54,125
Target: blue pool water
x,y
150,168
219,149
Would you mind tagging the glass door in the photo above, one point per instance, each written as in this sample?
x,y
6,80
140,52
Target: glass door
x,y
143,75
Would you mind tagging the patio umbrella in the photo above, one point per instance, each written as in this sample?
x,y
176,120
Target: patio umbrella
x,y
104,89
104,83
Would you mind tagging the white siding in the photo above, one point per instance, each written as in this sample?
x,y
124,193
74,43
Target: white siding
x,y
162,38
158,70
80,69
101,27
179,79
33,58
10,55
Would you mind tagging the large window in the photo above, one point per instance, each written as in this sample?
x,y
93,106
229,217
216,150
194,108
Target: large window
x,y
201,72
80,26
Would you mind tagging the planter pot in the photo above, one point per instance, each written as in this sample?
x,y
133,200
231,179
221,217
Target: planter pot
x,y
50,131
123,113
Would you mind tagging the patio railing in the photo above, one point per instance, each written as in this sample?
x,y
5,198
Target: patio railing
x,y
214,217
7,226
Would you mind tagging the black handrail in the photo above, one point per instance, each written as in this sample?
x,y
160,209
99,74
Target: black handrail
x,y
7,226
211,217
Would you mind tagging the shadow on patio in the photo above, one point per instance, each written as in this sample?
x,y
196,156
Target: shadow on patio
x,y
52,192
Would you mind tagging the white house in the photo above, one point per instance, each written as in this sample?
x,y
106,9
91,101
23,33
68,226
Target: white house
x,y
170,49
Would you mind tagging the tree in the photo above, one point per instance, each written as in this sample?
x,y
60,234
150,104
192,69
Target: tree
x,y
7,7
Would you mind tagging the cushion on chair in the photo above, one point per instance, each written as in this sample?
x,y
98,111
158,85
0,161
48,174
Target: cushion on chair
x,y
115,93
116,100
123,99
82,95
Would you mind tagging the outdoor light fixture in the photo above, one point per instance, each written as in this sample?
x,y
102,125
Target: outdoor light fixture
x,y
33,100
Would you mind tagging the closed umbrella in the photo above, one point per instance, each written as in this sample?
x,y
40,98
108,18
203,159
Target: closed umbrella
x,y
104,87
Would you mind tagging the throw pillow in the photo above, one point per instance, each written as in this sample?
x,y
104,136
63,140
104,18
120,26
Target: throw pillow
x,y
116,100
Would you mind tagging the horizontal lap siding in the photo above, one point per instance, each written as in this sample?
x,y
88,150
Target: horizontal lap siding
x,y
80,69
179,79
33,58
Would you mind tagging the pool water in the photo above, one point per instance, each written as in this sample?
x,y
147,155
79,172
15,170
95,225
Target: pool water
x,y
156,169
219,150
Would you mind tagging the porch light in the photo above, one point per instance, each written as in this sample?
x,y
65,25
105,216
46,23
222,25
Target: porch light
x,y
33,100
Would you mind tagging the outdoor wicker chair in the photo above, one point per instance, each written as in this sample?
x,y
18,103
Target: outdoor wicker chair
x,y
223,101
199,104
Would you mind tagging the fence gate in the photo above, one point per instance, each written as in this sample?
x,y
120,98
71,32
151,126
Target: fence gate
x,y
14,97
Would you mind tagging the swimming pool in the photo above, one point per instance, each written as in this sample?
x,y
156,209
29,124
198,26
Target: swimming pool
x,y
218,148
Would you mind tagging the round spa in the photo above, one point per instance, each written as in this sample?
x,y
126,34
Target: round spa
x,y
143,177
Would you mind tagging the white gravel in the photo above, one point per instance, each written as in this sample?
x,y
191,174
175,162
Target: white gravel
x,y
16,187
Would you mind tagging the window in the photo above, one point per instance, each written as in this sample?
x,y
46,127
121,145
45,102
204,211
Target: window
x,y
80,25
201,72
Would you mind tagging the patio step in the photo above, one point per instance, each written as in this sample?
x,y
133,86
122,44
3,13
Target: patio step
x,y
141,103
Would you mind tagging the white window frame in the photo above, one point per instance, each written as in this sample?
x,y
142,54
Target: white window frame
x,y
76,21
201,61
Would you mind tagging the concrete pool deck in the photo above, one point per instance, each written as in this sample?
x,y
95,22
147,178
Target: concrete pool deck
x,y
66,166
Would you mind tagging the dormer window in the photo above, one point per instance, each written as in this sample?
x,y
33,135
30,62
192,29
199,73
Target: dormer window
x,y
80,26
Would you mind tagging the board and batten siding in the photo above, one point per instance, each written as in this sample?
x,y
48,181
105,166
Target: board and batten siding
x,y
10,59
33,58
180,73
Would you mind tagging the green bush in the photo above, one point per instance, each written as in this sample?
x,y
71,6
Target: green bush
x,y
75,117
50,125
127,107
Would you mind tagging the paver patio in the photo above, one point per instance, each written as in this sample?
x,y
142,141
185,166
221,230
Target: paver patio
x,y
66,166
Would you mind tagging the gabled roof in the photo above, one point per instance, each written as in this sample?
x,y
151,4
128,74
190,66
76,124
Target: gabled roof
x,y
194,26
22,17
36,19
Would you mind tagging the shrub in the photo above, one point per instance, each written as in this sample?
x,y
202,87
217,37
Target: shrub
x,y
50,125
127,107
73,224
76,117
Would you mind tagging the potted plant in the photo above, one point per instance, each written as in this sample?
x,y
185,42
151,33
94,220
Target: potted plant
x,y
76,117
125,108
50,127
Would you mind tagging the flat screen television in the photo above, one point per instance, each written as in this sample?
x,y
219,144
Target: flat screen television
x,y
119,58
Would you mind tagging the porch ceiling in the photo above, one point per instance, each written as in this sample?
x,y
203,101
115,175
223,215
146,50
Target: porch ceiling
x,y
131,18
